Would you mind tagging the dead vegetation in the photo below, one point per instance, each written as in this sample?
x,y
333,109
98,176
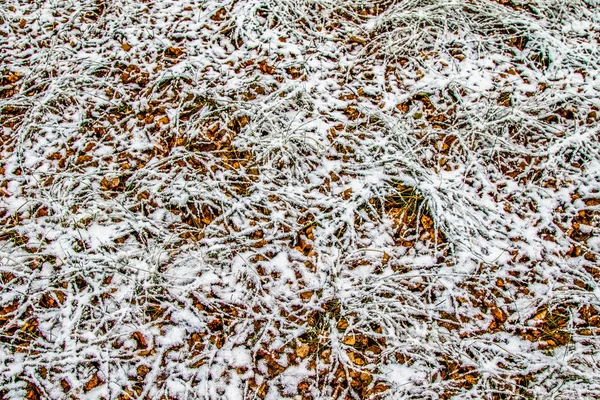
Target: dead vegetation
x,y
299,200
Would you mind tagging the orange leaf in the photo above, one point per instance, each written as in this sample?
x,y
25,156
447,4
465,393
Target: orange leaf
x,y
94,382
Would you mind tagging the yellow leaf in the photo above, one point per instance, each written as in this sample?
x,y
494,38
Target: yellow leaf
x,y
302,350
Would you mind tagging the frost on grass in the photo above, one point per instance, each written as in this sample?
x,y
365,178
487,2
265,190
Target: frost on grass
x,y
241,199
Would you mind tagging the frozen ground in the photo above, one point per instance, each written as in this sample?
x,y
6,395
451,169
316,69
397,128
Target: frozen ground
x,y
308,199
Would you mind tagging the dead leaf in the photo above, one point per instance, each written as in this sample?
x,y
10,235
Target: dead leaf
x,y
426,222
471,379
12,78
498,314
385,259
143,370
541,315
140,340
350,340
357,40
125,46
217,340
306,295
302,350
94,382
342,324
83,159
162,121
351,112
219,15
215,325
379,388
110,183
173,52
262,391
355,358
266,68
346,194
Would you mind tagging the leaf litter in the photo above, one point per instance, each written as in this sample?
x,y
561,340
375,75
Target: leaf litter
x,y
299,199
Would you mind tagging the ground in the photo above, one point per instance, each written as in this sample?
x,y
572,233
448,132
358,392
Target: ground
x,y
306,199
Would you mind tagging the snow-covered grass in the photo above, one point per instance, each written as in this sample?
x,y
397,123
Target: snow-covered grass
x,y
299,199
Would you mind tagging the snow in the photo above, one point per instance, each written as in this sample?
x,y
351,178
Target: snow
x,y
403,375
425,172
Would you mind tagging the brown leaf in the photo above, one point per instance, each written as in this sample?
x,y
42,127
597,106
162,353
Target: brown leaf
x,y
143,370
350,340
125,46
357,40
302,350
403,107
173,52
426,222
49,300
217,340
306,295
498,314
366,378
65,385
346,194
379,388
351,112
262,391
541,315
326,355
110,183
266,68
219,15
342,324
294,72
162,121
215,325
83,159
33,393
471,379
12,78
355,358
94,382
140,340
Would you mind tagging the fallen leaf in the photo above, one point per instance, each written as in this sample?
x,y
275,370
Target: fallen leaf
x,y
541,315
266,68
173,52
355,358
140,340
426,222
342,324
162,121
306,295
219,15
302,350
83,159
94,382
143,370
357,40
12,78
350,340
110,183
498,314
